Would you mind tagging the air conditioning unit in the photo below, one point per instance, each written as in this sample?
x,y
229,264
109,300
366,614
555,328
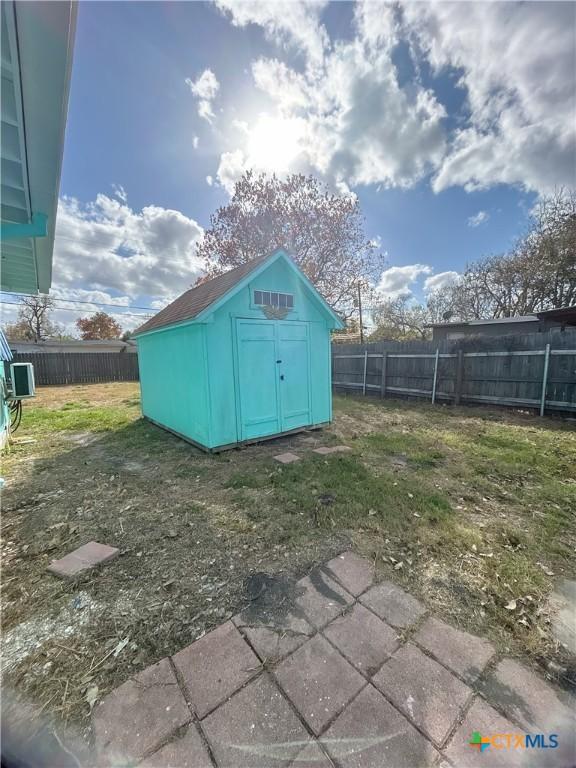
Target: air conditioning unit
x,y
22,375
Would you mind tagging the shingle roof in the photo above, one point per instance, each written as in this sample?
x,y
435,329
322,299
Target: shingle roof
x,y
194,301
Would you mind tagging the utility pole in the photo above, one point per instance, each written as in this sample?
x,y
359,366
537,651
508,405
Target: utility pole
x,y
360,311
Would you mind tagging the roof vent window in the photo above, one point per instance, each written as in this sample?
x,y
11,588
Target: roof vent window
x,y
273,299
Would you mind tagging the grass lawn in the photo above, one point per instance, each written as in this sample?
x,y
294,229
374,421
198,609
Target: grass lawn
x,y
471,509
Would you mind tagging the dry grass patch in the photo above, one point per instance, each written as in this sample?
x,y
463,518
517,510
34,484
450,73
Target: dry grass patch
x,y
470,509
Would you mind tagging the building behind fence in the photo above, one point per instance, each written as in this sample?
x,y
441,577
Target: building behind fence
x,y
536,370
81,367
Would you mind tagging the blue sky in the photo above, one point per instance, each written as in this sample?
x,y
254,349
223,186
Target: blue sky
x,y
446,143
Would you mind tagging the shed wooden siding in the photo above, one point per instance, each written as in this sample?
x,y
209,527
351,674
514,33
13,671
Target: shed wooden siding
x,y
194,383
176,392
220,335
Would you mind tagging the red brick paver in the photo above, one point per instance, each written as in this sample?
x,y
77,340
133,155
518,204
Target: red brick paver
x,y
256,728
273,644
503,752
82,559
363,638
311,756
274,635
342,688
524,697
465,654
393,605
318,681
483,719
323,599
355,573
137,717
286,458
370,733
430,696
185,751
215,666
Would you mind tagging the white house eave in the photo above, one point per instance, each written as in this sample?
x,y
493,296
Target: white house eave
x,y
37,50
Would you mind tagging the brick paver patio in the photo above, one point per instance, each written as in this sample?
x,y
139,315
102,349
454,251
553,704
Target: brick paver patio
x,y
345,673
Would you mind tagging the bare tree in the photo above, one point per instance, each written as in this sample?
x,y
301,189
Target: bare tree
x,y
400,319
324,232
34,322
539,273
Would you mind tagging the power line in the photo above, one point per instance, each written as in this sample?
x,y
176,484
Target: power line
x,y
71,309
84,301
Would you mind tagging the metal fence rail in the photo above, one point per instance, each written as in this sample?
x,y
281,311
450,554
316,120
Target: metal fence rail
x,y
543,379
81,367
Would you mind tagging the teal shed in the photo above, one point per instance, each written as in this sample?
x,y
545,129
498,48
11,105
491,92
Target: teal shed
x,y
240,358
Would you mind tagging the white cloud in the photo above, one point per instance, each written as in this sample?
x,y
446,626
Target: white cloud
x,y
106,246
397,281
295,23
204,88
517,64
359,124
105,253
289,89
241,126
376,241
209,180
232,166
348,121
479,218
120,192
195,142
439,281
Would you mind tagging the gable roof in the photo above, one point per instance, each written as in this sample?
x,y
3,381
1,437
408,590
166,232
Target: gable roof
x,y
193,303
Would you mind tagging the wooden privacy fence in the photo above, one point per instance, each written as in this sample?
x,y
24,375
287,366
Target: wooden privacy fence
x,y
81,367
472,371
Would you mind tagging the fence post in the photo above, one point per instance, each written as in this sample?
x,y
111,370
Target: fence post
x,y
365,367
459,377
544,379
435,376
383,381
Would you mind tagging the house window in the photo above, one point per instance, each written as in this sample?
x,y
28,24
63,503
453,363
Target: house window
x,y
273,299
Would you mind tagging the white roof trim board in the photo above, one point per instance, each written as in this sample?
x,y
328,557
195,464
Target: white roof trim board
x,y
37,41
